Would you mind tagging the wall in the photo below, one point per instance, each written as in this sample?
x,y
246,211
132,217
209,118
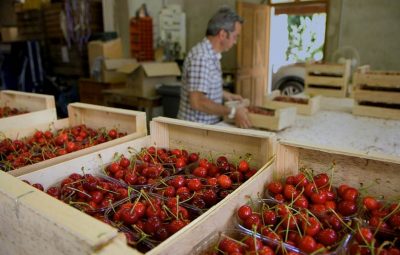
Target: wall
x,y
370,26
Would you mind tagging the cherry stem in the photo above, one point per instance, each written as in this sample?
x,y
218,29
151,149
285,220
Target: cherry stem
x,y
80,191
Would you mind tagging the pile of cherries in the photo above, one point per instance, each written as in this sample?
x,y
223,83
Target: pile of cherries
x,y
43,145
7,111
294,100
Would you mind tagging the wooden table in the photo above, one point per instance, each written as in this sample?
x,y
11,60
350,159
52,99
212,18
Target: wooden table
x,y
125,98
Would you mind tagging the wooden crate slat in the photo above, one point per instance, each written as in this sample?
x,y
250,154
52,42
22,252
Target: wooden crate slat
x,y
377,96
310,108
326,92
26,100
325,81
326,68
378,79
377,112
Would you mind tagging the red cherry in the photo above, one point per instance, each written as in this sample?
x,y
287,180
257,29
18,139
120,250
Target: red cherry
x,y
243,166
364,236
194,184
244,212
224,181
307,244
370,203
269,217
275,187
321,180
350,194
327,237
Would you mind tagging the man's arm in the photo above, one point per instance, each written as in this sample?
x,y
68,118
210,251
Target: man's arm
x,y
200,102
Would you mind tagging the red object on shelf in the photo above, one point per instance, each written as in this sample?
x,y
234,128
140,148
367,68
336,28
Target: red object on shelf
x,y
141,33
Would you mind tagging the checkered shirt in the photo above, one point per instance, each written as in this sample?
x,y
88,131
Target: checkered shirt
x,y
201,72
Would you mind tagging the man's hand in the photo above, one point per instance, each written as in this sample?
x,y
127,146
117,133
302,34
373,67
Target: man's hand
x,y
242,118
230,96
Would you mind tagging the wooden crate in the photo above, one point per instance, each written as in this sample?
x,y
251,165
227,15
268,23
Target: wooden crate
x,y
377,93
282,118
94,116
277,118
351,167
40,212
41,109
327,79
310,108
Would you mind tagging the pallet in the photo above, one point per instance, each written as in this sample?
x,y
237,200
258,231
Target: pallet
x,y
327,79
312,106
41,109
377,93
39,211
94,116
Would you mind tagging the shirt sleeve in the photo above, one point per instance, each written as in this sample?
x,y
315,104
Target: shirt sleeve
x,y
197,75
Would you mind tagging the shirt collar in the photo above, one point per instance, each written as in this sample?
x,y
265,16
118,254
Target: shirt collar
x,y
211,50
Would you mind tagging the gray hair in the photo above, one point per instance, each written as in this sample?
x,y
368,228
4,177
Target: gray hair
x,y
224,19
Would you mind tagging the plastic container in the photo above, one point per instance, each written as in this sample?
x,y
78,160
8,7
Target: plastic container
x,y
137,233
213,244
381,240
258,207
202,199
73,194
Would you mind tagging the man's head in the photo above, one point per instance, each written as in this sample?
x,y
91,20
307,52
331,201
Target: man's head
x,y
225,27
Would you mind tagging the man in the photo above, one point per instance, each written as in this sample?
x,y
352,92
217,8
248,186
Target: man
x,y
202,91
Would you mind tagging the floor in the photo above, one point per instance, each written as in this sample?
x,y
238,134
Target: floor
x,y
335,126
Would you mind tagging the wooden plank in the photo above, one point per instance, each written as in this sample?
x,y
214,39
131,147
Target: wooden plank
x,y
377,112
31,119
377,96
326,92
325,81
327,68
385,79
26,101
310,108
207,139
34,223
96,116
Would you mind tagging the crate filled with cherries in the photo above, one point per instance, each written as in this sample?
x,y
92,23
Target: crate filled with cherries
x,y
43,145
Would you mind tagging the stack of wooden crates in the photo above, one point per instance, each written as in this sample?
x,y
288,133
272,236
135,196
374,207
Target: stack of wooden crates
x,y
327,79
377,93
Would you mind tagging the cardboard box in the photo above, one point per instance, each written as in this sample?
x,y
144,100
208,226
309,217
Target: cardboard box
x,y
106,50
9,34
109,69
144,77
